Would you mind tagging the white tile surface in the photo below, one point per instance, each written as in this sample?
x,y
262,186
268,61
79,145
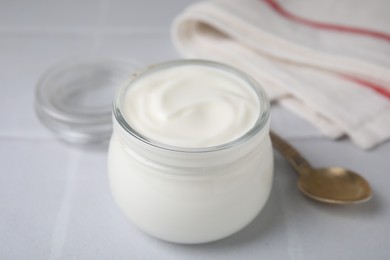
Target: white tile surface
x,y
30,188
23,59
49,14
54,199
148,15
290,125
145,48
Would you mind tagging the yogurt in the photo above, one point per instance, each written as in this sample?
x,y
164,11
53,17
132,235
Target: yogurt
x,y
191,106
190,159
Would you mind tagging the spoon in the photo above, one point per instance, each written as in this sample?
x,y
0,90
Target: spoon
x,y
333,185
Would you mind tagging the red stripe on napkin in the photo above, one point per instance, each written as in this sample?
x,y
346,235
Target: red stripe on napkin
x,y
340,28
326,26
380,89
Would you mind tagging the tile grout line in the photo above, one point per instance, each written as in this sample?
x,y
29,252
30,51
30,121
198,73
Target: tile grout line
x,y
102,17
77,31
27,138
294,247
61,223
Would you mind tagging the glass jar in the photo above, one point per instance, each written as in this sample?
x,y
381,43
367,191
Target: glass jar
x,y
190,195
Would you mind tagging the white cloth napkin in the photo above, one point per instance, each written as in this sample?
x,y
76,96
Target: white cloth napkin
x,y
328,61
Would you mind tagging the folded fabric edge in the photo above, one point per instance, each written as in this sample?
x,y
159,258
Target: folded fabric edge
x,y
323,124
216,12
373,132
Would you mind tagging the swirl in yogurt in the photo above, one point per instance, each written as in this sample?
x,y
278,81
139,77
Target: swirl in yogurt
x,y
191,106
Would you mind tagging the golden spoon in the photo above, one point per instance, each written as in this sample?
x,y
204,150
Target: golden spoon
x,y
332,185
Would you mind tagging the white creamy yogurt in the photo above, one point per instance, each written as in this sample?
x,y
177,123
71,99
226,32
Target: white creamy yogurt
x,y
190,158
191,106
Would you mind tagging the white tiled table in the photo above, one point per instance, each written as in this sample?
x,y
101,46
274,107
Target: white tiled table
x,y
54,199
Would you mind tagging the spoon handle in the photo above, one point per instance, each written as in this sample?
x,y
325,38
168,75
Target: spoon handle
x,y
299,163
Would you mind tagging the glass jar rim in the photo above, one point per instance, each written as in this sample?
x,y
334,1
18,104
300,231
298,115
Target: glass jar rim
x,y
260,123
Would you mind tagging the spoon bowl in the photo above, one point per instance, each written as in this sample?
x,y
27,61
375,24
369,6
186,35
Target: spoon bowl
x,y
334,185
331,185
